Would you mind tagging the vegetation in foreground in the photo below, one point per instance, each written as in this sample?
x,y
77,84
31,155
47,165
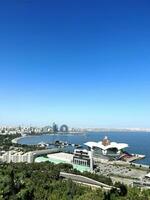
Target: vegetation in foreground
x,y
41,181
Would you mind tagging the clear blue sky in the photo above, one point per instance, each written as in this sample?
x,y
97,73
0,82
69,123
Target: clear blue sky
x,y
80,62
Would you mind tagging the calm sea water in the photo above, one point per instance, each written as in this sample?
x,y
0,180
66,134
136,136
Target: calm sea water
x,y
139,142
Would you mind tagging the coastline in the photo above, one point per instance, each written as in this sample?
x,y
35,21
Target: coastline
x,y
82,137
15,140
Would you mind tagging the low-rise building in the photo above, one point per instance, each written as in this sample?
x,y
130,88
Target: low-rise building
x,y
16,157
83,157
106,148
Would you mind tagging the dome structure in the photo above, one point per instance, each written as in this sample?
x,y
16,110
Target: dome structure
x,y
105,141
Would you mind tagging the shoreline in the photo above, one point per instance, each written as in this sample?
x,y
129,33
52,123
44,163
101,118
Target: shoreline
x,y
35,139
15,140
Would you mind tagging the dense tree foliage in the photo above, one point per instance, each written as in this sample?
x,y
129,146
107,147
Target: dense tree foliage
x,y
5,140
41,181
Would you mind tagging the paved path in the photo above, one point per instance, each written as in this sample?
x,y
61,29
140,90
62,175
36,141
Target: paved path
x,y
85,180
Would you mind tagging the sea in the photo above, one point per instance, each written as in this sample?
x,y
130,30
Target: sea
x,y
139,142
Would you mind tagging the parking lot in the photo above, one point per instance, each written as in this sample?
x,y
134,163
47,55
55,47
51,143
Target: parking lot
x,y
120,171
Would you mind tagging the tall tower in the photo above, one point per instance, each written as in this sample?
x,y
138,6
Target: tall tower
x,y
55,128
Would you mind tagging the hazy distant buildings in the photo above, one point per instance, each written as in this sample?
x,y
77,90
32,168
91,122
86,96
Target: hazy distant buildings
x,y
64,128
55,128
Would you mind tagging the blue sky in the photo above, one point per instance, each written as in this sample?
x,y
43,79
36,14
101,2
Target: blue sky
x,y
84,63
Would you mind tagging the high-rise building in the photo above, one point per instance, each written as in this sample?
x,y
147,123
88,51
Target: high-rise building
x,y
55,128
64,128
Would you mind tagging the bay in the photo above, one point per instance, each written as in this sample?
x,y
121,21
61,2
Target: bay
x,y
139,142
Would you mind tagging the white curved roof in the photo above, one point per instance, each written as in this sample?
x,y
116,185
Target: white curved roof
x,y
111,145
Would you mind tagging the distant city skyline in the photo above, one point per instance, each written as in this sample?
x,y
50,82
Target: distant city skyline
x,y
82,63
40,125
